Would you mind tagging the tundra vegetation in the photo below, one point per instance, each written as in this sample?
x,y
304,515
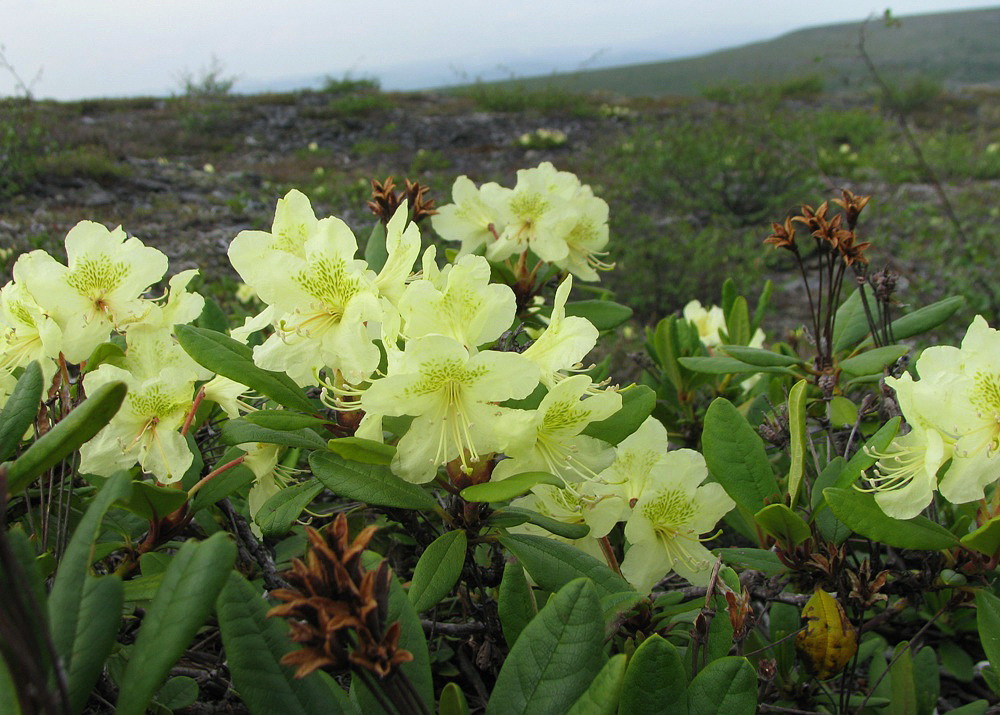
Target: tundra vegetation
x,y
710,424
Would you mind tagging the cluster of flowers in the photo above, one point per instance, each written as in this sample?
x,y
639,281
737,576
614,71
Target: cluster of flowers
x,y
548,212
953,411
59,314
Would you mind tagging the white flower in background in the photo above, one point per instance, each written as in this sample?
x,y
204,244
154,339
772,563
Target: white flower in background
x,y
470,219
99,290
453,397
711,323
665,527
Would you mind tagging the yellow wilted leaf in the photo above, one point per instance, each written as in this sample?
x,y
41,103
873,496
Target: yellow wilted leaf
x,y
829,640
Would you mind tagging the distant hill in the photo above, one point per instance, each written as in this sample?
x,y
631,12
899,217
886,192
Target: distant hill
x,y
956,48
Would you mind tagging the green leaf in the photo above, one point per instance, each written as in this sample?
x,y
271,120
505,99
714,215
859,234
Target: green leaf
x,y
927,678
508,488
178,692
8,693
438,569
797,428
503,519
603,694
283,420
727,685
665,348
553,564
151,501
411,638
728,366
553,526
182,603
280,511
926,318
376,253
372,484
738,322
638,402
604,314
453,701
656,680
515,604
901,683
105,354
98,616
222,485
19,413
829,526
783,524
985,539
760,357
213,317
231,358
956,661
988,623
736,458
254,646
560,652
67,436
976,707
757,559
841,411
851,323
71,577
859,511
367,451
239,431
873,361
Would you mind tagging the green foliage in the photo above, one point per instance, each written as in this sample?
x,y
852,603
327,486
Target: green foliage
x,y
519,96
22,146
438,570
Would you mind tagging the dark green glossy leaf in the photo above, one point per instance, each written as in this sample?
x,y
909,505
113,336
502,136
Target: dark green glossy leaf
x,y
559,654
151,501
783,524
105,353
182,603
727,685
985,539
254,645
553,526
369,483
604,693
453,701
873,361
515,604
727,366
638,402
988,623
553,564
19,412
231,358
283,420
859,511
280,511
239,431
851,324
508,488
736,458
926,318
760,357
67,436
604,314
656,680
757,559
367,451
177,693
437,570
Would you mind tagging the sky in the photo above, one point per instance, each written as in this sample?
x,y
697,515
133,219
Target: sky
x,y
74,49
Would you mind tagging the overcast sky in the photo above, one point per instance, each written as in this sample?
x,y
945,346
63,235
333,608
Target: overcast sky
x,y
97,48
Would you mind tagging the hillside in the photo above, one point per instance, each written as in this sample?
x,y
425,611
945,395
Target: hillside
x,y
957,48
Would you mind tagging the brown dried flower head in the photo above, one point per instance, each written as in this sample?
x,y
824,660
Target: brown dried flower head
x,y
385,200
783,236
852,206
336,609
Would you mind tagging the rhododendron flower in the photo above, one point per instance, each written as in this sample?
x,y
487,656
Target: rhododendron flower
x,y
665,527
643,457
453,397
98,291
586,239
533,216
460,302
548,439
144,430
572,506
565,341
470,219
26,332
